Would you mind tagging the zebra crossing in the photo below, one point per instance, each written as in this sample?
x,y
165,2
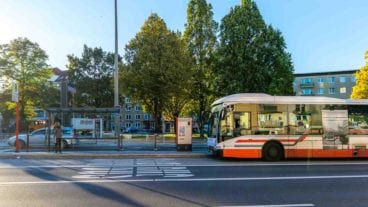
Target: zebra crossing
x,y
141,168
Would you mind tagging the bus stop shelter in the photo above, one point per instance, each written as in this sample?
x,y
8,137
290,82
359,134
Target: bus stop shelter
x,y
65,116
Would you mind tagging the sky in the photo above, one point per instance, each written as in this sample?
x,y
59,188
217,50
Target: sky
x,y
321,35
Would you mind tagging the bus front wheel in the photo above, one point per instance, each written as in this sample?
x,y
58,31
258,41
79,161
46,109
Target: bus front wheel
x,y
272,151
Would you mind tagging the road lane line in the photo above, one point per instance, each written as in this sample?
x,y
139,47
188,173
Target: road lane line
x,y
265,178
106,180
279,205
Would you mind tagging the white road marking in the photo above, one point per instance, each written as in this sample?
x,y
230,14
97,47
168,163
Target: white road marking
x,y
181,180
140,170
282,205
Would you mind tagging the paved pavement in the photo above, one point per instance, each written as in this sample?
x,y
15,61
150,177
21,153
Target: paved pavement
x,y
130,149
183,182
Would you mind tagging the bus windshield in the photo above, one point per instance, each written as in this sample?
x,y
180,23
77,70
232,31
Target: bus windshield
x,y
214,121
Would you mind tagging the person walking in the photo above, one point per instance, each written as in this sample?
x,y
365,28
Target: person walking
x,y
57,136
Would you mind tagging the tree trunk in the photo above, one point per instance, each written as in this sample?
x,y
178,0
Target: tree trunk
x,y
157,116
200,120
176,115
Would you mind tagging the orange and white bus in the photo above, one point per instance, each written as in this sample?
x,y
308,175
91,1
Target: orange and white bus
x,y
276,127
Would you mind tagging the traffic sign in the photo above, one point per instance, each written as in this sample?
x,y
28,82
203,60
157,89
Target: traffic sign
x,y
15,91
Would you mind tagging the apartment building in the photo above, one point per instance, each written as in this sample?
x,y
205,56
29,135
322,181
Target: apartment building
x,y
337,84
135,119
132,117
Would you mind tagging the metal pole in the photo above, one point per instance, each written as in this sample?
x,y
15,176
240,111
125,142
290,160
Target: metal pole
x,y
17,128
116,75
155,142
17,121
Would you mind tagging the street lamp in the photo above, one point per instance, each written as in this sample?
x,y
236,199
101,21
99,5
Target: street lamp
x,y
116,75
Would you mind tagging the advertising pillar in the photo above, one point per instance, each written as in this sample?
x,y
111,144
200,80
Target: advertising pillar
x,y
184,134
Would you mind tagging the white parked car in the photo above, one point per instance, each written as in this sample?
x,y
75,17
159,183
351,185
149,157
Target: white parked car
x,y
37,138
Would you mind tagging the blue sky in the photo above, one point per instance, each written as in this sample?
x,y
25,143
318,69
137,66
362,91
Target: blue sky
x,y
321,35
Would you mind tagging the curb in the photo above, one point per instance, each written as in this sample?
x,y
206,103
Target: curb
x,y
101,156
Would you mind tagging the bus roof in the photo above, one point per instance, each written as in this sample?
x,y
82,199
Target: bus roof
x,y
262,98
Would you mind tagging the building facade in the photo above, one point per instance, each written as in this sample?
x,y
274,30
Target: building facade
x,y
133,118
337,84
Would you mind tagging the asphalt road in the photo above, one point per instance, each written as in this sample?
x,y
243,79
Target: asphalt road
x,y
183,182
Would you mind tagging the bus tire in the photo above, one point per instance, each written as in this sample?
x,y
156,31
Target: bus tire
x,y
272,151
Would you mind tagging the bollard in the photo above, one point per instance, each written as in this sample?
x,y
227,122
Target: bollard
x,y
120,142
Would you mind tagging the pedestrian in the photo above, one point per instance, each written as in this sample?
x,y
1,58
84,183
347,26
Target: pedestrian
x,y
57,136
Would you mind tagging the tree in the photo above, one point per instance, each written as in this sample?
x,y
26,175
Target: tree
x,y
200,37
155,68
252,56
24,61
360,90
279,63
92,75
182,94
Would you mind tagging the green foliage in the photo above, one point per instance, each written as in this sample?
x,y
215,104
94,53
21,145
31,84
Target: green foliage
x,y
279,63
251,55
182,94
92,76
200,37
156,68
25,61
360,90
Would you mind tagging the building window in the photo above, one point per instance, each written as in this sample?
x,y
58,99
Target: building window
x,y
127,125
128,107
127,100
320,80
331,79
320,91
353,79
307,80
138,125
343,90
146,117
342,79
137,116
128,117
137,108
307,91
331,91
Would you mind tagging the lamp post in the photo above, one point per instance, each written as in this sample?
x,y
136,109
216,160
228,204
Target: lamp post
x,y
15,98
116,75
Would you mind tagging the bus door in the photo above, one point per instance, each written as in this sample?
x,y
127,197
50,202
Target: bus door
x,y
335,127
